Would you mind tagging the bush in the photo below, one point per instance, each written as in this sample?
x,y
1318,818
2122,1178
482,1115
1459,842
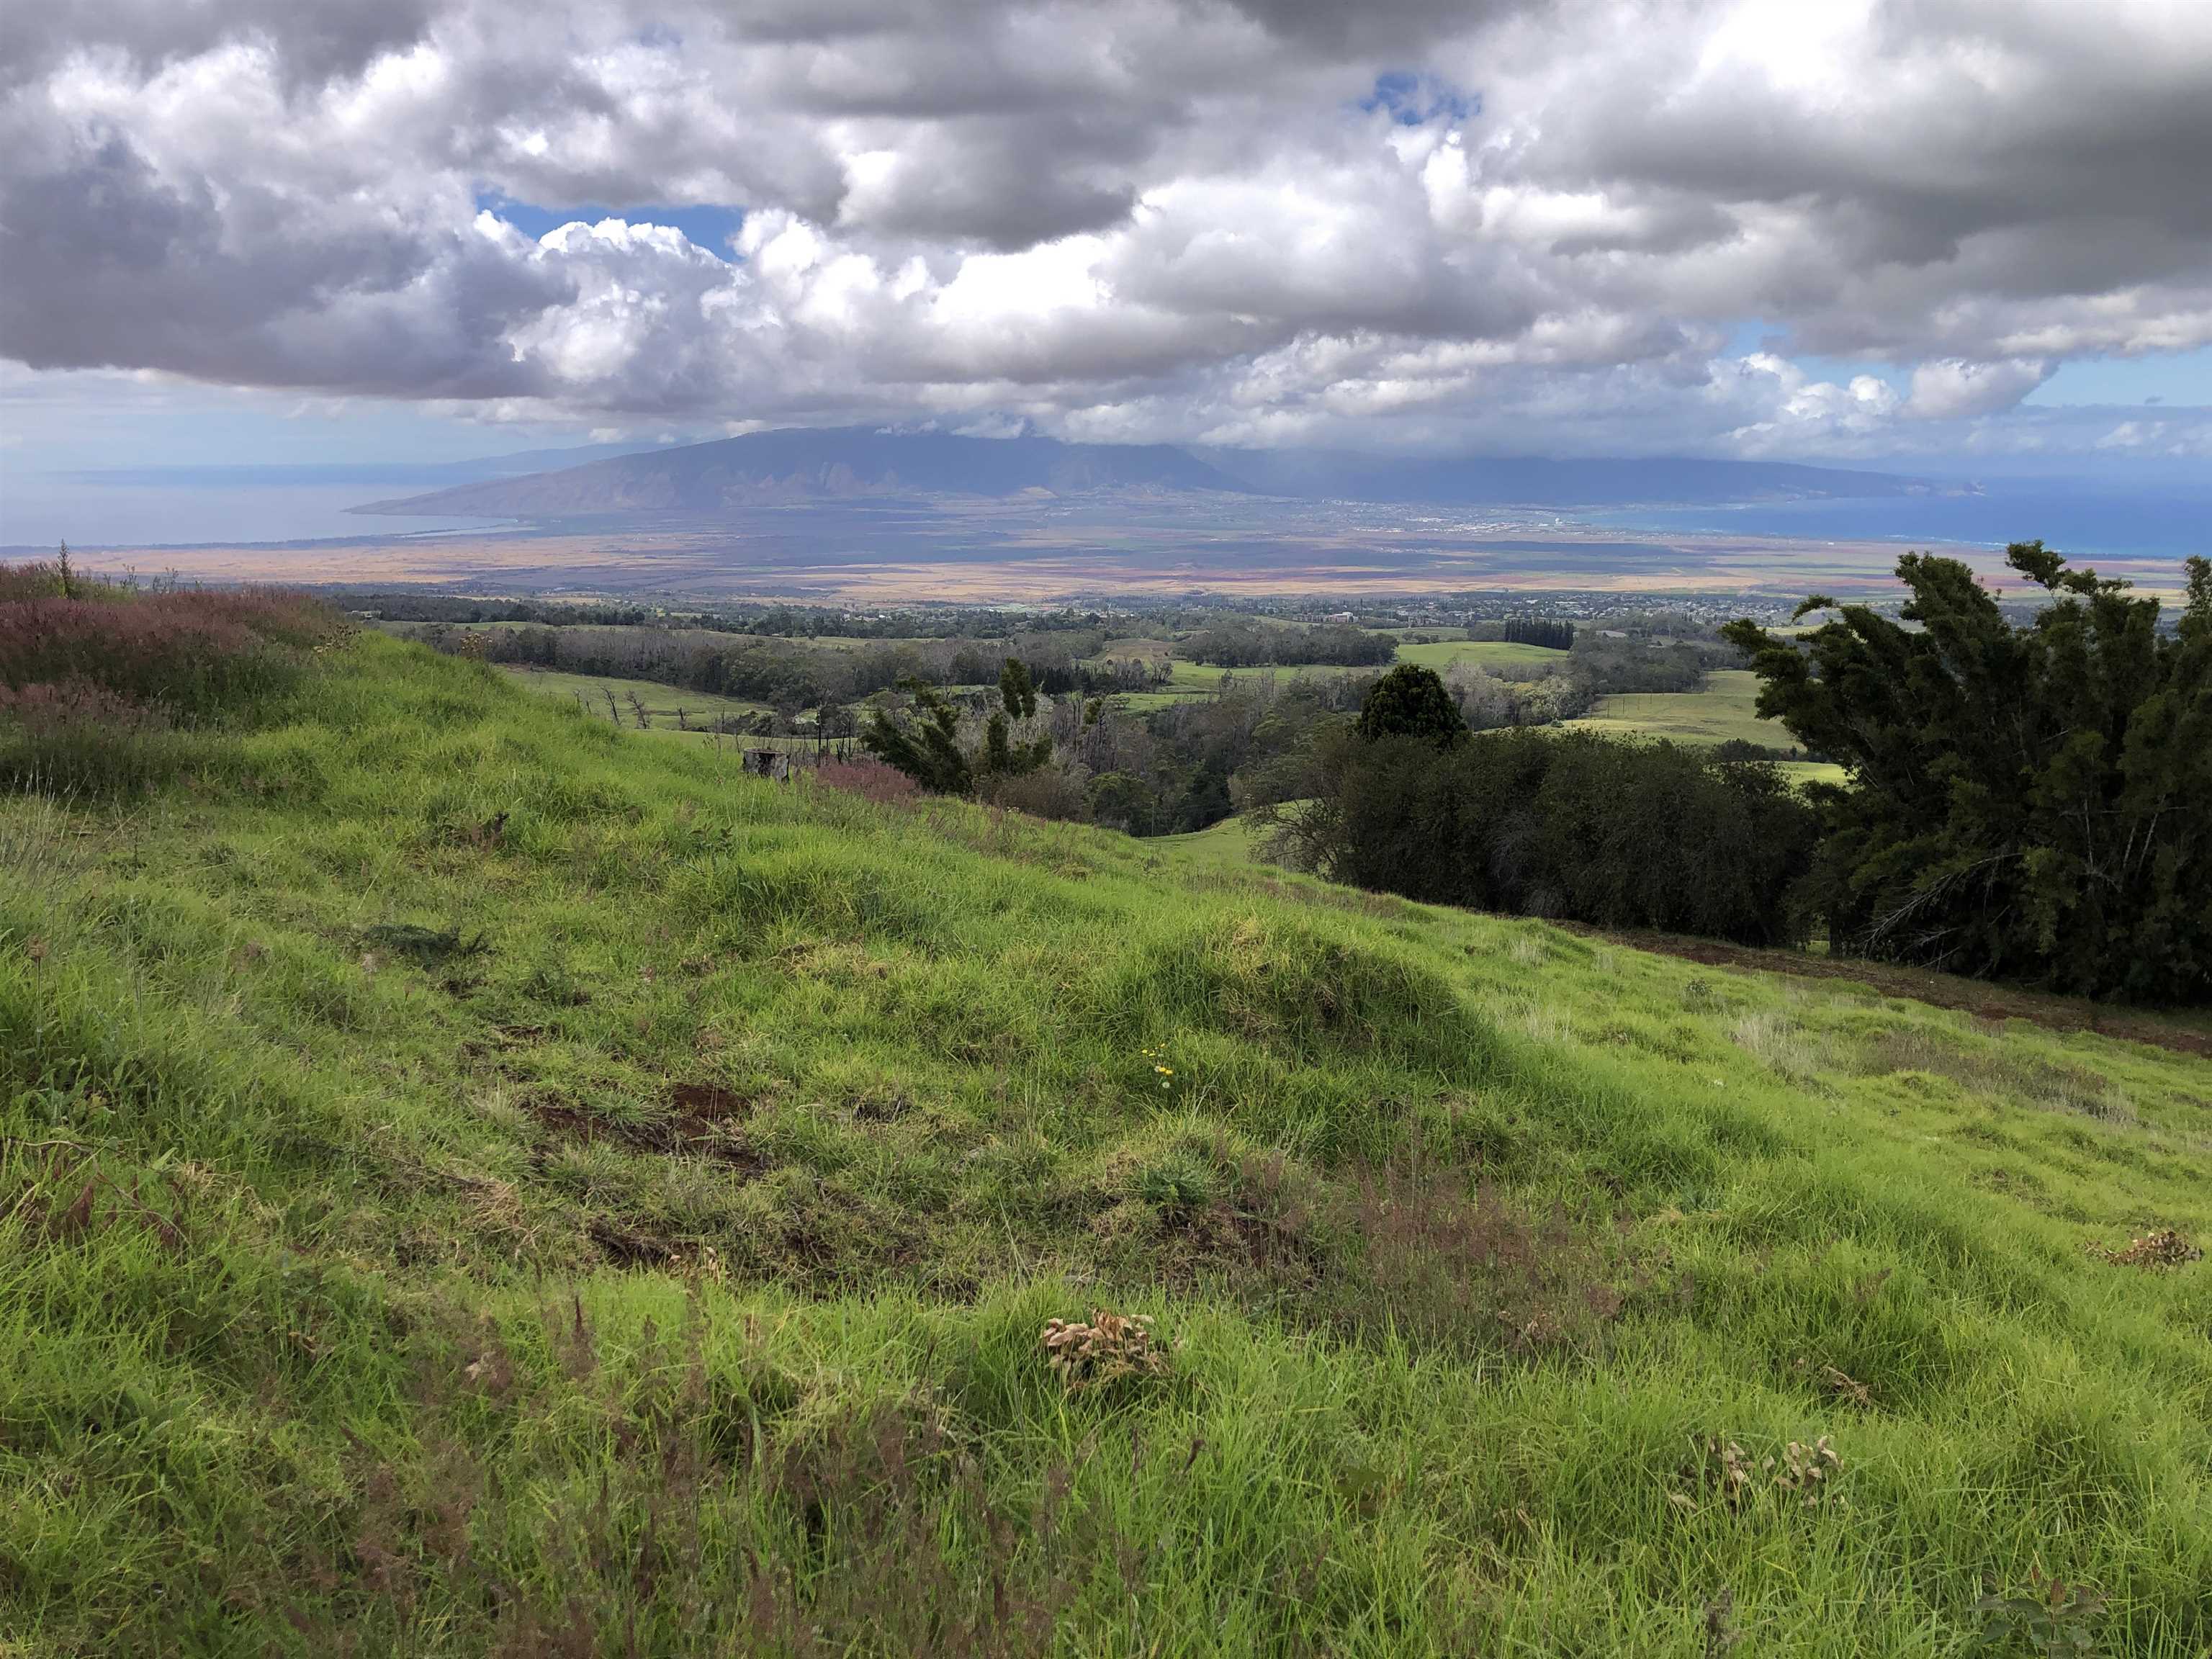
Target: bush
x,y
870,779
1566,824
2028,802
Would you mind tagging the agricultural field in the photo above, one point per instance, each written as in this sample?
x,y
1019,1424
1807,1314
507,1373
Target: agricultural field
x,y
476,1179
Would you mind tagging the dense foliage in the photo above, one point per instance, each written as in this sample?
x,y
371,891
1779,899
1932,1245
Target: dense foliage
x,y
1566,824
1411,701
2030,801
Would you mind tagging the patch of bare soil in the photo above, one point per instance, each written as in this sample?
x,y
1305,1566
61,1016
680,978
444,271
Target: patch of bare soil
x,y
2178,1033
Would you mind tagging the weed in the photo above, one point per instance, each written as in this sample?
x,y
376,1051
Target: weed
x,y
2046,1617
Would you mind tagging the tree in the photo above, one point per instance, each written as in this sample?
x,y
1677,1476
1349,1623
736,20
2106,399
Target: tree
x,y
1016,693
1411,701
2030,803
926,748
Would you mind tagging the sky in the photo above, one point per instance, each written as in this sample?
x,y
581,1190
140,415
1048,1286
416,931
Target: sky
x,y
1960,233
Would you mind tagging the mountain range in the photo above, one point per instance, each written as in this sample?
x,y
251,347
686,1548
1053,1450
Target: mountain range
x,y
794,466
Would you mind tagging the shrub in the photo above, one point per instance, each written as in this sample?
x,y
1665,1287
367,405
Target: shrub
x,y
925,747
2028,802
1567,824
870,779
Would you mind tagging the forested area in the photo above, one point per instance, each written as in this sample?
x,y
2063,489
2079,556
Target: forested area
x,y
1238,642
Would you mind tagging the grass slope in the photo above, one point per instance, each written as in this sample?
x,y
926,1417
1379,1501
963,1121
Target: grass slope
x,y
484,1182
1504,658
662,702
1724,709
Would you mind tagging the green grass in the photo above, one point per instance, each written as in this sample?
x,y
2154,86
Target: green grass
x,y
1226,845
1504,658
661,701
649,1253
1723,710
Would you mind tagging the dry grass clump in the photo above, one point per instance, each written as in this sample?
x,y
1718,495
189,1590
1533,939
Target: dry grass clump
x,y
1776,1040
1111,1348
2161,1247
1721,1474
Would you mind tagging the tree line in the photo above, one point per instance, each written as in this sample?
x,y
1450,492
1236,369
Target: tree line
x,y
2030,797
1539,630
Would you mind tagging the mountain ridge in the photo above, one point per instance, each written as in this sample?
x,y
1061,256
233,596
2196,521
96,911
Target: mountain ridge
x,y
793,466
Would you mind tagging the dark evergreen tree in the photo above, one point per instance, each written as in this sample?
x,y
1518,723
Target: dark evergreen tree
x,y
2028,802
1411,701
925,748
1016,692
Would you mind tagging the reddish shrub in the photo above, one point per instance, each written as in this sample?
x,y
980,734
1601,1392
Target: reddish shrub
x,y
45,708
870,779
195,656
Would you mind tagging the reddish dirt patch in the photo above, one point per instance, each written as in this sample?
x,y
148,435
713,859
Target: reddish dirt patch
x,y
697,1127
700,1106
2184,1034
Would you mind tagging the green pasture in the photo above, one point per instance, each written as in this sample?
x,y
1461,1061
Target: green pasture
x,y
1722,711
1504,658
474,1180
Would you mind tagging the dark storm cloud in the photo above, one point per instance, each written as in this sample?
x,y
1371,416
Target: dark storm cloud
x,y
1251,219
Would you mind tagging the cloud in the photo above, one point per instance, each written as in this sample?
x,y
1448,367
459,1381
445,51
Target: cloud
x,y
1414,223
1949,389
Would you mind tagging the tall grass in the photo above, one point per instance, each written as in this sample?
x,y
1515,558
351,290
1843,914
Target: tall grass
x,y
478,1182
99,683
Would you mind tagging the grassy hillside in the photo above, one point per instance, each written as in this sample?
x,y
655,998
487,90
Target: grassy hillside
x,y
476,1180
1723,710
1504,658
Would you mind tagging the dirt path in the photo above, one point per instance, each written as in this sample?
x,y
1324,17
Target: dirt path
x,y
2183,1033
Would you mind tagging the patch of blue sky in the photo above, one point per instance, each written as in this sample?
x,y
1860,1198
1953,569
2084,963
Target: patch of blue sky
x,y
2181,379
709,226
1413,98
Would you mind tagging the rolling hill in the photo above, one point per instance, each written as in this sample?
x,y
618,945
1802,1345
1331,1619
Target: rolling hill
x,y
475,1181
